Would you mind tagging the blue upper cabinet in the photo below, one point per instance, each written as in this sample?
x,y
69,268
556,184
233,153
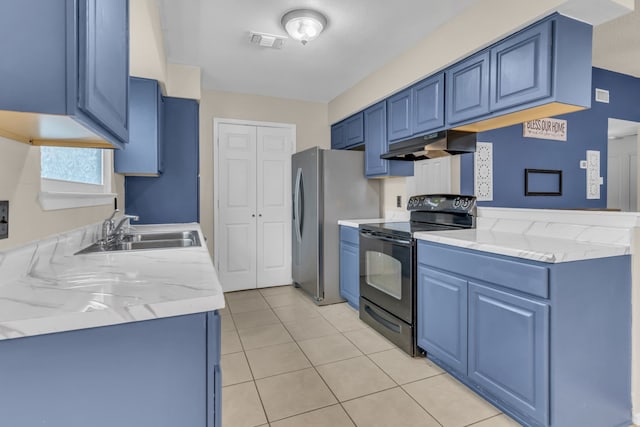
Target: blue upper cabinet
x,y
376,144
544,69
104,63
428,105
354,130
521,67
467,86
399,109
70,65
338,136
348,133
143,154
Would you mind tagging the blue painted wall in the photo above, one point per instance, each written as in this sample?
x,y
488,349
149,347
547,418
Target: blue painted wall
x,y
586,130
173,196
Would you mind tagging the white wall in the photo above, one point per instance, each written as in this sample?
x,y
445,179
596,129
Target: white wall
x,y
310,118
146,45
20,184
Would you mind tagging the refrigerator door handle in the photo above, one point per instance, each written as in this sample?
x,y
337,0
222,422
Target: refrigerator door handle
x,y
296,205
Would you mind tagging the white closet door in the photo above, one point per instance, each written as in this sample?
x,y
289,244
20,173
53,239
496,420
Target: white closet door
x,y
238,214
274,146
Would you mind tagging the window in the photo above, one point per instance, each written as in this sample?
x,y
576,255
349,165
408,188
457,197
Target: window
x,y
75,177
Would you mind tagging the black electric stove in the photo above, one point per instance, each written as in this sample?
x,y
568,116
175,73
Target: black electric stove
x,y
388,263
430,212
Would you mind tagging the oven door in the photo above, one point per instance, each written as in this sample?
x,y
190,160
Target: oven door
x,y
386,266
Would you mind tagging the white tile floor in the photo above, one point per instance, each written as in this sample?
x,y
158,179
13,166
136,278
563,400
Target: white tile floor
x,y
288,363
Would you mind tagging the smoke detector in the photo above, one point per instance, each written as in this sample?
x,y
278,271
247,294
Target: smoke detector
x,y
266,40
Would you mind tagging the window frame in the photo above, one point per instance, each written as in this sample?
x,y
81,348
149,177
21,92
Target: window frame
x,y
60,194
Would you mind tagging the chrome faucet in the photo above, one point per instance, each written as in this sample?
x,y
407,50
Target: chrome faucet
x,y
107,227
125,218
111,231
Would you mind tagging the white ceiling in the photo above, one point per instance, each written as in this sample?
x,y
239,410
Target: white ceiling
x,y
360,37
616,44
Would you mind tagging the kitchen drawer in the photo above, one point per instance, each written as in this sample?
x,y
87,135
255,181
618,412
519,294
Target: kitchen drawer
x,y
349,234
503,271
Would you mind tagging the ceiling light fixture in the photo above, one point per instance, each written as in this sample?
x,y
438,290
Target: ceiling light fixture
x,y
304,25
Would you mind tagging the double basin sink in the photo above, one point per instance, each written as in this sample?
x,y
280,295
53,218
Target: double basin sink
x,y
145,241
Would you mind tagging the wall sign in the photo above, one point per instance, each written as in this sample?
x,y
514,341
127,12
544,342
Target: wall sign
x,y
555,129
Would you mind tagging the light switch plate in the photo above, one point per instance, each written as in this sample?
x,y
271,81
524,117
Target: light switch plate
x,y
4,219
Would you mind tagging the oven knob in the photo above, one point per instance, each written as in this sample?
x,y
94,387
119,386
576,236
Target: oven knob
x,y
465,203
456,202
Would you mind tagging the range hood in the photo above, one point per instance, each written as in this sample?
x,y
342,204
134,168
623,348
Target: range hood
x,y
439,144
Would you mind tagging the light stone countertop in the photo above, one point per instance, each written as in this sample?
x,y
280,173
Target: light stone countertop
x,y
45,288
526,246
356,222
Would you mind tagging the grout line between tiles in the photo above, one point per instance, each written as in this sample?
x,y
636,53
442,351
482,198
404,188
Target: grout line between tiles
x,y
314,367
484,419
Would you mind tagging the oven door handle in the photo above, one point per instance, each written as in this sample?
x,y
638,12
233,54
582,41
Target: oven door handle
x,y
386,239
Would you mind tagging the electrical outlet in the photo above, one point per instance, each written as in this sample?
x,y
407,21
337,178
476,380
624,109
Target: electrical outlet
x,y
4,219
398,201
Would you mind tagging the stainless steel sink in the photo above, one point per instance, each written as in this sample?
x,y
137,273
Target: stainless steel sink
x,y
147,241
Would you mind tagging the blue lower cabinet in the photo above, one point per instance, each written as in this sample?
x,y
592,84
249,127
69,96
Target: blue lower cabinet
x,y
548,344
509,349
350,265
214,372
442,317
150,373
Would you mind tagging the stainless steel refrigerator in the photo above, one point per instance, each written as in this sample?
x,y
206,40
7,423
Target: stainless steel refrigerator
x,y
328,185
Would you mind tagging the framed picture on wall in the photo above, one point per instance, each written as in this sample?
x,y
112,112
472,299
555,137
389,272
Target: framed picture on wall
x,y
542,182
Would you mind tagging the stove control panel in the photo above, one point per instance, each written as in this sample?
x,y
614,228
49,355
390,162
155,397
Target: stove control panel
x,y
442,203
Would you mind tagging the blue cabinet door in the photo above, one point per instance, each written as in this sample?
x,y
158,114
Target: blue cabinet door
x,y
375,139
104,63
442,317
338,136
467,86
150,373
354,130
509,349
173,196
349,266
214,375
399,108
376,144
143,154
428,104
521,67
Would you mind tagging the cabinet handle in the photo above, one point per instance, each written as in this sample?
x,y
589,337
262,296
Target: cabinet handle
x,y
260,215
253,215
